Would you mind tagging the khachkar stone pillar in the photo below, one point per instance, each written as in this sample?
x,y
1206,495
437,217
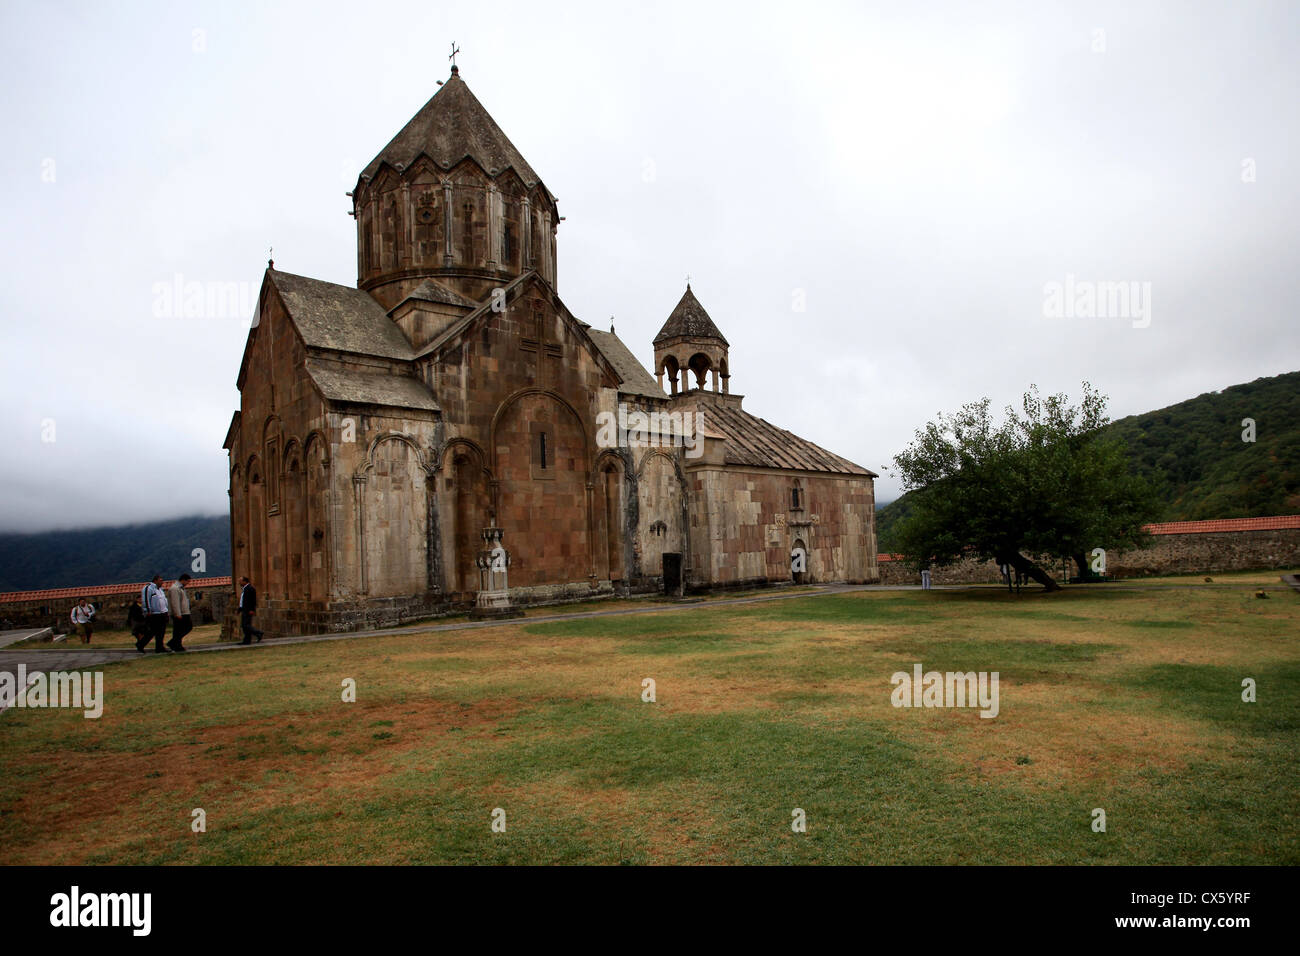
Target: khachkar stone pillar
x,y
494,595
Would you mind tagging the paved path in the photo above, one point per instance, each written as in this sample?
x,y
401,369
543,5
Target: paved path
x,y
74,658
22,634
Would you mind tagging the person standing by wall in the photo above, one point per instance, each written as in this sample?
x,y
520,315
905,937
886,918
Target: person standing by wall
x,y
155,611
178,602
247,608
83,613
135,620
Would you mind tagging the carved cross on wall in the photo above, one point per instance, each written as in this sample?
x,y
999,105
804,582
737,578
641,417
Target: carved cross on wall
x,y
540,344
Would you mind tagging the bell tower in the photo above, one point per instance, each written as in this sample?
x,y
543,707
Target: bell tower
x,y
690,344
451,200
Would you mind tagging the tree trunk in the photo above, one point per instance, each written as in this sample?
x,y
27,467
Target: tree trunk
x,y
1081,561
1033,571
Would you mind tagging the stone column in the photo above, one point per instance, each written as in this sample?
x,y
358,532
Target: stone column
x,y
328,516
433,536
359,496
548,270
406,254
526,228
591,538
284,534
494,225
304,501
446,227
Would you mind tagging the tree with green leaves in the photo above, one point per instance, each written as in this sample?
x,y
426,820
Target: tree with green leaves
x,y
1042,482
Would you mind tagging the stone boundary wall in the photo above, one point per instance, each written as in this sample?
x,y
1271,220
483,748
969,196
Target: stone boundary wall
x,y
1184,547
51,608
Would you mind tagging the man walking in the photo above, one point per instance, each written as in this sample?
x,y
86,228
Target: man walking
x,y
83,612
247,608
178,602
155,611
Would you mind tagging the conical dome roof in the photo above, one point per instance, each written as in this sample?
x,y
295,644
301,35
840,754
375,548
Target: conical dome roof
x,y
451,126
689,320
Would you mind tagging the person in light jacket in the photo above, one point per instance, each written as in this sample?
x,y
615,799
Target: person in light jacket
x,y
155,615
83,614
178,602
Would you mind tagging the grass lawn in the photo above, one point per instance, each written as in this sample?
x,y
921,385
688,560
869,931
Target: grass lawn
x,y
1125,700
1266,579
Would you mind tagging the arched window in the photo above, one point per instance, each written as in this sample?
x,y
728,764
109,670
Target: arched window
x,y
272,476
507,243
542,458
700,364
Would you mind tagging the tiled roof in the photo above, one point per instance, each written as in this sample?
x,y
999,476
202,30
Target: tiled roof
x,y
339,317
690,320
754,441
636,380
1276,523
97,590
450,127
338,384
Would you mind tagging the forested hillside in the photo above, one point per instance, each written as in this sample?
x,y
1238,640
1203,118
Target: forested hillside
x,y
1195,456
121,555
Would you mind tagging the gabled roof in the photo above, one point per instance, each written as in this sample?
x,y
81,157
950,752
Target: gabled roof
x,y
339,317
753,441
461,324
689,320
392,390
636,380
431,291
510,291
450,127
231,432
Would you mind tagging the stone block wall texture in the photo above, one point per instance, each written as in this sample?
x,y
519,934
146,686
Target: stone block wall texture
x,y
1185,547
747,527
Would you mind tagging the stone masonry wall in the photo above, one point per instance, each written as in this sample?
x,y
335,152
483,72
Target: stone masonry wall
x,y
1209,552
744,526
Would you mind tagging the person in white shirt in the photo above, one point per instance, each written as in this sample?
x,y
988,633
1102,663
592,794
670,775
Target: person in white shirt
x,y
83,613
155,610
178,602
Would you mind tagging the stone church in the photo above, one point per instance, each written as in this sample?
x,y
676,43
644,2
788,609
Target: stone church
x,y
391,434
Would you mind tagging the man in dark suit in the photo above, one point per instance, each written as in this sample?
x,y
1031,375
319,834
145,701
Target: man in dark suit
x,y
247,608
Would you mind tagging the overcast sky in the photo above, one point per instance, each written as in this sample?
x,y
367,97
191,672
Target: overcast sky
x,y
914,176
